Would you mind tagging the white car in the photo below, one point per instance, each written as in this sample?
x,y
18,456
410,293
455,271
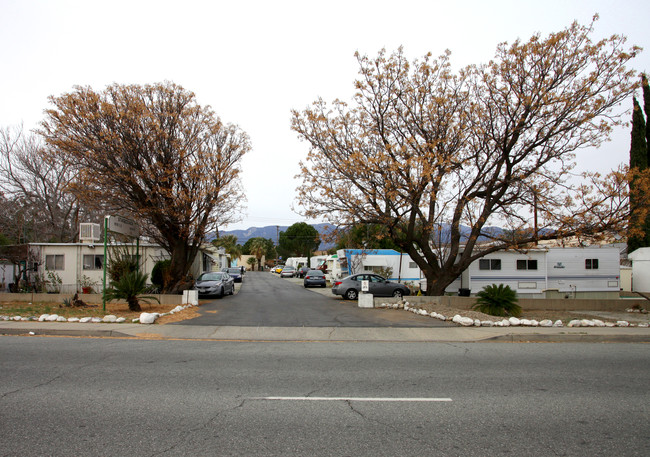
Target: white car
x,y
288,272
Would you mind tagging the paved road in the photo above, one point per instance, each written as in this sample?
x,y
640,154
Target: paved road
x,y
267,300
99,397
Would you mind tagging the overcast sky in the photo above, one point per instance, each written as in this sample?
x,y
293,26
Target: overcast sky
x,y
254,61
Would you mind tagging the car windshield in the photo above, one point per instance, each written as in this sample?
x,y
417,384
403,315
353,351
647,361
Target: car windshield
x,y
234,270
288,268
211,277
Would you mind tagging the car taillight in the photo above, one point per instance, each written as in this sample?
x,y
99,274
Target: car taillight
x,y
307,277
337,283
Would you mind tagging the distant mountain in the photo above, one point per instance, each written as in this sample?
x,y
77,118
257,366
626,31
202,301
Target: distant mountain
x,y
272,232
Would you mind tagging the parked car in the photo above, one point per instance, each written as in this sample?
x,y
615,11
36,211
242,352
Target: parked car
x,y
288,272
349,287
278,269
236,274
314,278
215,283
302,271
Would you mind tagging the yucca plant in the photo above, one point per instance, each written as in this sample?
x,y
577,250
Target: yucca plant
x,y
128,287
497,301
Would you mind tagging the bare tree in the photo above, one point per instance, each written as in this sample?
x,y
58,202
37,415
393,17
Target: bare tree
x,y
426,152
152,152
38,198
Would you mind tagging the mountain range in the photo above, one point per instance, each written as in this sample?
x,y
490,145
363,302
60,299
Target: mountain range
x,y
273,231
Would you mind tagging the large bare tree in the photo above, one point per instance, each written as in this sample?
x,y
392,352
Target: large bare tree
x,y
438,157
39,205
152,152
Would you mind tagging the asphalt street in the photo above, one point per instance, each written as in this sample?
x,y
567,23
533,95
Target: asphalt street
x,y
97,397
265,299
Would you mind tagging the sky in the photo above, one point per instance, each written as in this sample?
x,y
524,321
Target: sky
x,y
255,61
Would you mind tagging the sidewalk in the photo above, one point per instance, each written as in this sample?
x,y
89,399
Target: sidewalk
x,y
332,334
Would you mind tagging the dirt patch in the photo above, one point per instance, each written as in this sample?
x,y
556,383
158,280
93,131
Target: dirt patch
x,y
25,309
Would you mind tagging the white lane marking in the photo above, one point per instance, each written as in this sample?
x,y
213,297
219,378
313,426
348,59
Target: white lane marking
x,y
369,399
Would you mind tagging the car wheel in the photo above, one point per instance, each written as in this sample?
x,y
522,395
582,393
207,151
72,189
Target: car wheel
x,y
351,294
220,294
398,294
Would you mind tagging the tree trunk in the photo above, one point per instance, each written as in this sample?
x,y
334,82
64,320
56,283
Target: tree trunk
x,y
181,261
134,304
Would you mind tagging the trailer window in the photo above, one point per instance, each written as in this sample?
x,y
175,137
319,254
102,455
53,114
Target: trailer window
x,y
591,264
489,264
526,264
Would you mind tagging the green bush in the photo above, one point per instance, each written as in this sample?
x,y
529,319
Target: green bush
x,y
497,301
130,285
159,273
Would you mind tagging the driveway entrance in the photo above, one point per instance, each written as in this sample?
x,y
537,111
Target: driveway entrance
x,y
269,301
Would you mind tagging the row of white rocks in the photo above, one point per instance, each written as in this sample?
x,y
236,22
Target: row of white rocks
x,y
511,322
145,318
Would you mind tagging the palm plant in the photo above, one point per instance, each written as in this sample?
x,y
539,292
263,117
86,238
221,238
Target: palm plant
x,y
497,301
128,287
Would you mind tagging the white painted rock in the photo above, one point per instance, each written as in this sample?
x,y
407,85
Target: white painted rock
x,y
61,319
622,324
84,320
177,309
587,323
43,317
477,323
109,319
610,324
423,312
148,318
546,323
466,321
574,323
514,321
456,319
598,323
505,323
526,322
558,323
534,323
52,318
120,320
96,320
18,318
73,319
487,324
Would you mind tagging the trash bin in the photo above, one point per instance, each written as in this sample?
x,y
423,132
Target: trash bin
x,y
464,292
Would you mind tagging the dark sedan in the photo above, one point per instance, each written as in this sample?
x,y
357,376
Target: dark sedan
x,y
215,283
314,278
350,287
235,272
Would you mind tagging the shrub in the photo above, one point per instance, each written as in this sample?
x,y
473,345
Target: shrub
x,y
497,301
128,287
159,273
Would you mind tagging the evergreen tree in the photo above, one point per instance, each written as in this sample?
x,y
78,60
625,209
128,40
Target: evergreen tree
x,y
639,160
646,108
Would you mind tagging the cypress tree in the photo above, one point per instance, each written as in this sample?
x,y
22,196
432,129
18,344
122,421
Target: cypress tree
x,y
646,109
639,160
638,146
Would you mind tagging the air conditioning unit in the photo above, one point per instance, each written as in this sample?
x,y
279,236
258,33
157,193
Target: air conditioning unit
x,y
89,232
